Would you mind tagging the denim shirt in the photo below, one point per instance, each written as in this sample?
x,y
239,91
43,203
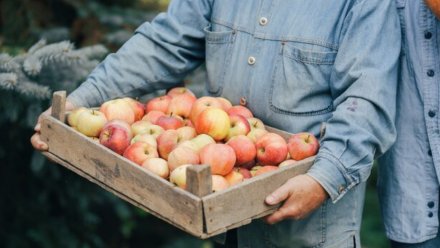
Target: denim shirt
x,y
296,63
409,173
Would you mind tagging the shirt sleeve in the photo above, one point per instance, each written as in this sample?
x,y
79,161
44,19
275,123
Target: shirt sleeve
x,y
159,55
364,84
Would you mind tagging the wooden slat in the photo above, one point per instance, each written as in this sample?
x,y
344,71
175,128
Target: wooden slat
x,y
239,204
122,177
284,134
199,180
59,105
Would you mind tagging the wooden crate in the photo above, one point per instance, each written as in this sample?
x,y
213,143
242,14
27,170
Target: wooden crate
x,y
196,211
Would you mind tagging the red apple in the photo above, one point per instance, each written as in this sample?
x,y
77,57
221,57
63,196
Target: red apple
x,y
214,122
271,149
287,162
239,126
182,155
168,140
244,148
201,104
240,110
118,109
138,152
158,166
245,172
302,145
255,169
219,183
181,105
220,157
153,116
137,107
154,130
186,133
170,122
90,122
200,141
140,127
159,103
116,135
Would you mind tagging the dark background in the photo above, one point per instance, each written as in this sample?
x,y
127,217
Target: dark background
x,y
45,205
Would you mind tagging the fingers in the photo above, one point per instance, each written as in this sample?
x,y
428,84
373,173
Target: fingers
x,y
279,195
283,213
37,143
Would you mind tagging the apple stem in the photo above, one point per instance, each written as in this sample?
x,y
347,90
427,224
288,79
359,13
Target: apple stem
x,y
307,139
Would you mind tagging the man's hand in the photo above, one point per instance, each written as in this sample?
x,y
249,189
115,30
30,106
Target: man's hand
x,y
302,194
36,141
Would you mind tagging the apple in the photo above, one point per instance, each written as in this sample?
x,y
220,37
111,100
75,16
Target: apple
x,y
201,140
140,127
244,148
201,104
265,169
219,183
90,122
240,110
146,138
72,118
159,103
138,152
287,162
255,169
116,135
234,177
182,155
226,104
302,145
214,122
187,122
186,133
178,176
271,149
177,91
181,105
170,122
245,172
239,126
137,107
256,133
220,157
118,109
158,166
256,123
249,165
168,140
154,130
152,116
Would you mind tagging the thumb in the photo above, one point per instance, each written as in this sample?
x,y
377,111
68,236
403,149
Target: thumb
x,y
279,195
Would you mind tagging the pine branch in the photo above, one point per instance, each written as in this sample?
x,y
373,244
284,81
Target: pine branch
x,y
40,44
32,66
33,90
8,81
8,64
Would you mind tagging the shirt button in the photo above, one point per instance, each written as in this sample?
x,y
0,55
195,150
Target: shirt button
x,y
431,113
430,214
428,35
430,204
430,73
430,152
263,21
341,189
243,101
251,60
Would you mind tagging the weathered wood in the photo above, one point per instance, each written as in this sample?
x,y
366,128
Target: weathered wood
x,y
122,177
199,180
239,204
59,105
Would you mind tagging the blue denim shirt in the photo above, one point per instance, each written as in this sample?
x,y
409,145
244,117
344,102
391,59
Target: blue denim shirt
x,y
297,64
409,173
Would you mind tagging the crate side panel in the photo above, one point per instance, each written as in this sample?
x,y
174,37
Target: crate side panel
x,y
245,201
114,172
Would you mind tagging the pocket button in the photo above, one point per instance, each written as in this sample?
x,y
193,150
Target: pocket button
x,y
251,60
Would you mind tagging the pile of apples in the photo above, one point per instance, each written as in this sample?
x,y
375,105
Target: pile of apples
x,y
171,132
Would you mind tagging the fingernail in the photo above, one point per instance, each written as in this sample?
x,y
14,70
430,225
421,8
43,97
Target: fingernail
x,y
37,127
270,200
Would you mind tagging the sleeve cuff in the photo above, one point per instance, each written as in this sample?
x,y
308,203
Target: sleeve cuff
x,y
332,175
85,96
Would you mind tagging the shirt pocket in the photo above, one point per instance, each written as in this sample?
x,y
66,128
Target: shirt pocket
x,y
218,45
301,80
